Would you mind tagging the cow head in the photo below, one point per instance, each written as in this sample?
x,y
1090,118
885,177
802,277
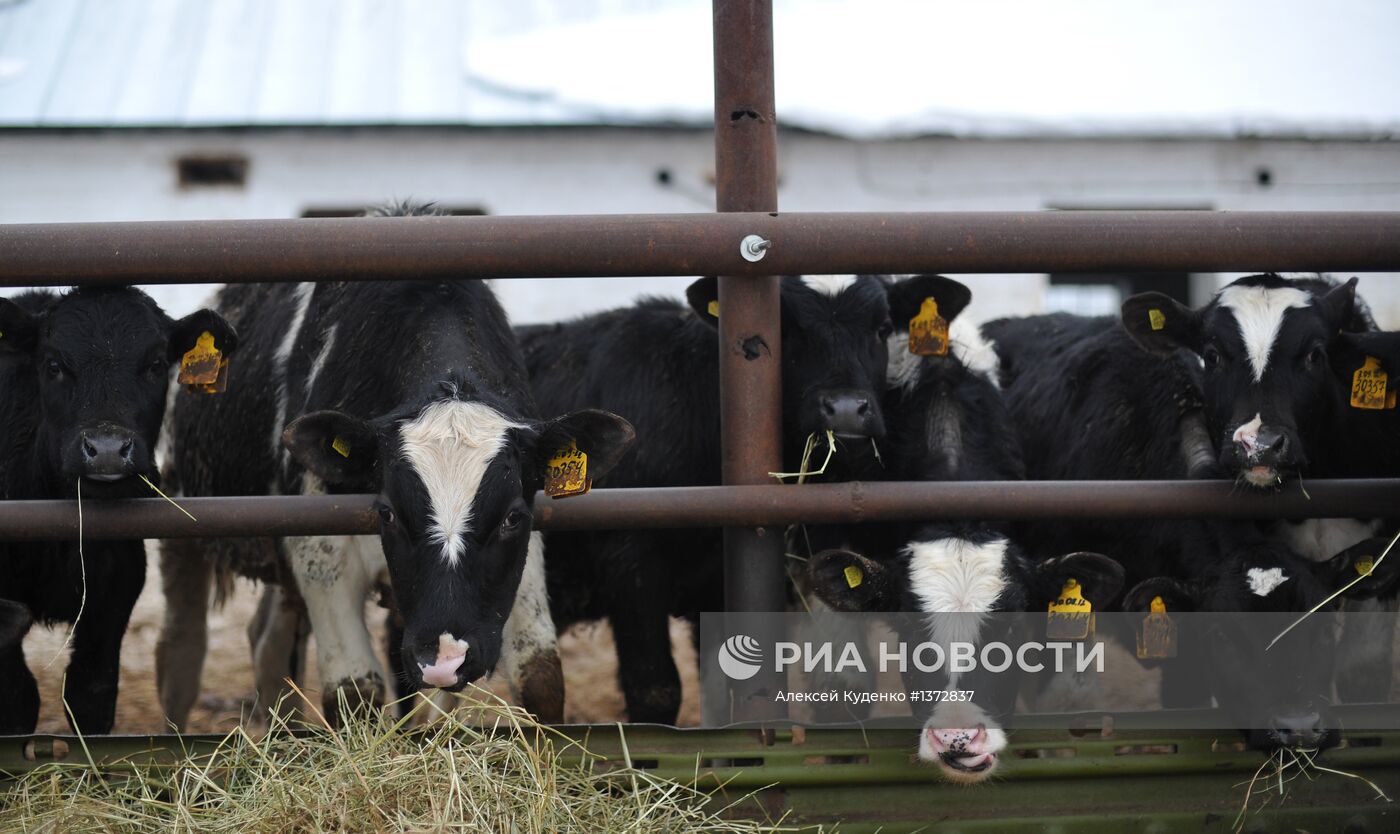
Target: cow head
x,y
834,332
100,359
1263,343
956,576
1282,693
456,481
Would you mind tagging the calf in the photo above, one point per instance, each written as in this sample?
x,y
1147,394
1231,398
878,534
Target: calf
x,y
947,422
657,363
415,391
84,381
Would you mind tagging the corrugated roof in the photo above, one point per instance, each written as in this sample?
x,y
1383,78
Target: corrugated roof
x,y
853,67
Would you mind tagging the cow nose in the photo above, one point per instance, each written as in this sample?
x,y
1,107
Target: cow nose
x,y
1270,446
441,668
1296,729
849,413
106,455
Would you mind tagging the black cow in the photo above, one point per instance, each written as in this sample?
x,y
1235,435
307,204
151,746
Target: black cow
x,y
657,363
84,380
948,422
416,391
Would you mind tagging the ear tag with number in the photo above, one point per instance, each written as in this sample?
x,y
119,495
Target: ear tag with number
x,y
1156,318
853,576
1368,385
928,331
1157,639
713,308
204,368
1071,616
567,473
341,447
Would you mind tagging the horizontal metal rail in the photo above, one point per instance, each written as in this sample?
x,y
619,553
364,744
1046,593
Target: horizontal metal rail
x,y
622,509
400,248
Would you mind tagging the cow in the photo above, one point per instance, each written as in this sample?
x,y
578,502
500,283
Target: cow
x,y
14,622
414,391
85,378
947,422
657,364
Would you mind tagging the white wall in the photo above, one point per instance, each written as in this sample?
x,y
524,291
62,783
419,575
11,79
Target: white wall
x,y
130,175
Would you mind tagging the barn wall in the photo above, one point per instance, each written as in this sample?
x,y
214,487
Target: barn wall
x,y
130,175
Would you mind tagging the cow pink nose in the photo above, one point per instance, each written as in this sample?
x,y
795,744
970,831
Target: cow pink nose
x,y
958,742
452,653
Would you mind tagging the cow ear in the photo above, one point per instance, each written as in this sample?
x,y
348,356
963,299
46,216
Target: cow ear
x,y
14,622
1349,352
906,298
601,435
1100,579
337,448
19,328
1338,305
1363,559
1160,324
703,296
850,582
185,333
1177,595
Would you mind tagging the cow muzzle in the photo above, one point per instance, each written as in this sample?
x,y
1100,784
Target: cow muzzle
x,y
105,455
1262,453
444,670
850,413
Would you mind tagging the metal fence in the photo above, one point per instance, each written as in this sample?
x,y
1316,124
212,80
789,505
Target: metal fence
x,y
747,244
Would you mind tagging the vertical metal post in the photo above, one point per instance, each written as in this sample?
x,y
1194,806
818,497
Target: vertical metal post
x,y
746,179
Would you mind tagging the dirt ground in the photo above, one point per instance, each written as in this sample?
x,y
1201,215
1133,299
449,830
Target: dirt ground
x,y
590,668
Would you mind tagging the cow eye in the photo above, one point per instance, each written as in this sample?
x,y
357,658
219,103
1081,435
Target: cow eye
x,y
1211,356
885,330
1317,355
54,369
386,515
513,520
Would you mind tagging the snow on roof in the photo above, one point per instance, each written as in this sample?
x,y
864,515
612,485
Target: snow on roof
x,y
864,68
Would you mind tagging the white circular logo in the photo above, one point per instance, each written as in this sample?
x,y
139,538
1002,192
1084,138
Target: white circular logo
x,y
740,657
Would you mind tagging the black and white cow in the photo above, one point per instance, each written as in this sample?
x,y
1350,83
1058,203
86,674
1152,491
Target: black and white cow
x,y
84,380
947,422
413,390
657,364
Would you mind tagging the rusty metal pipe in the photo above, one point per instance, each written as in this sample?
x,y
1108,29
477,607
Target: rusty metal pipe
x,y
680,507
218,251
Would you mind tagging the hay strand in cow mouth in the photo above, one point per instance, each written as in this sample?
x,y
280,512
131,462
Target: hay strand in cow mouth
x,y
1336,593
157,491
803,472
82,573
1306,764
484,766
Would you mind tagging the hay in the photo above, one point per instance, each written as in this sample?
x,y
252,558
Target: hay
x,y
485,767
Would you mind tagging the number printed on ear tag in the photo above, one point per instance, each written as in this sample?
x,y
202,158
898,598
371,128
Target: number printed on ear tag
x,y
567,473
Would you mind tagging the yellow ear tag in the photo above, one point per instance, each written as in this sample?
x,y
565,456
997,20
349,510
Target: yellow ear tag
x,y
1157,639
567,473
853,576
1368,385
1365,565
1071,616
713,308
928,331
1156,318
341,447
204,367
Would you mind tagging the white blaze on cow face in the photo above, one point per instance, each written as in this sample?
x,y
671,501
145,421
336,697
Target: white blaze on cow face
x,y
1259,313
1262,581
965,341
956,575
302,295
829,285
450,445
